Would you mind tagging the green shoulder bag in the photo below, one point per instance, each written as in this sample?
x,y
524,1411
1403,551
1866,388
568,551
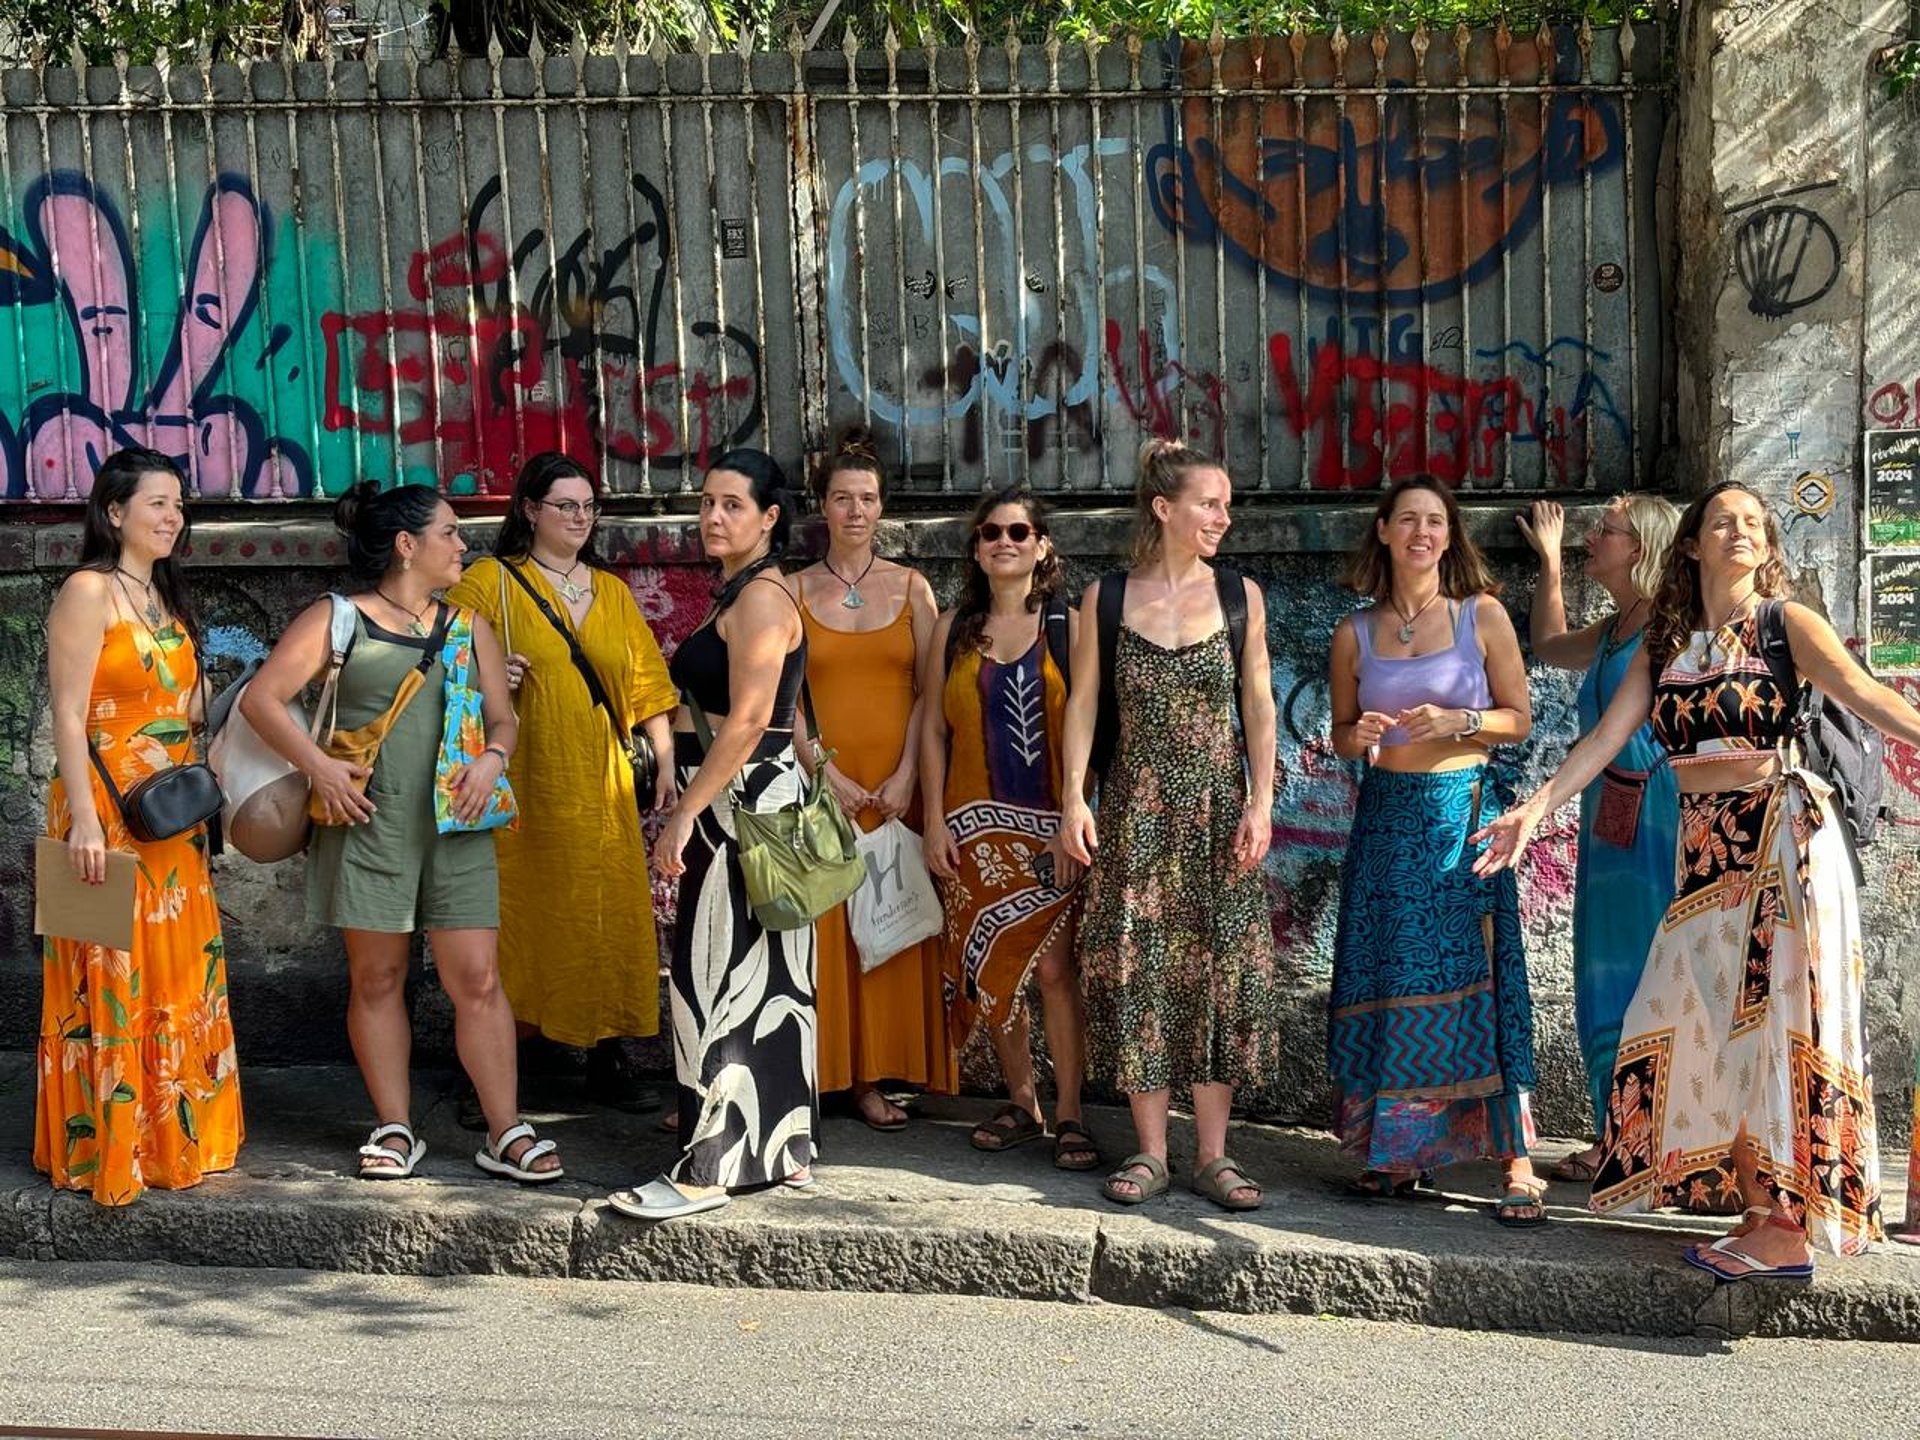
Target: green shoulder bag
x,y
800,860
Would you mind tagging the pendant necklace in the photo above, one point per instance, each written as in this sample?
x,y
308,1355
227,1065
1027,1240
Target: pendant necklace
x,y
1708,637
573,593
153,606
416,626
1405,631
852,599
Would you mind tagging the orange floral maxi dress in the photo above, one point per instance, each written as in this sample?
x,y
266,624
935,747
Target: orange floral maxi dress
x,y
138,1080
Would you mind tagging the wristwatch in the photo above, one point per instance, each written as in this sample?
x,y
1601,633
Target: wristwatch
x,y
1475,719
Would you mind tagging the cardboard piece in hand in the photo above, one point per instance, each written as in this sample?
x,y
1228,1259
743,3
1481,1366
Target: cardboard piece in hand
x,y
68,908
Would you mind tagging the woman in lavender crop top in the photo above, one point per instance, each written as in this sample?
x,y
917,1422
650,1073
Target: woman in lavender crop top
x,y
1430,1037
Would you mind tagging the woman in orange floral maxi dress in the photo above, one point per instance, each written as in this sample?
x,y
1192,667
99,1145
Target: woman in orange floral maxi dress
x,y
138,1084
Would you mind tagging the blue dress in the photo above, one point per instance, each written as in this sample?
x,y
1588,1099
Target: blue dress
x,y
1619,894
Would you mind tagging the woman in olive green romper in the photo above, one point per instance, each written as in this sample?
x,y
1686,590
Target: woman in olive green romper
x,y
378,868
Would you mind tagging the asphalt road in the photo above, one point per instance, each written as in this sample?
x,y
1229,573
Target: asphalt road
x,y
277,1352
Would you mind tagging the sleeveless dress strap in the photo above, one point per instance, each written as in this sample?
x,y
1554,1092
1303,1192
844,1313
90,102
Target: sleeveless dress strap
x,y
1363,630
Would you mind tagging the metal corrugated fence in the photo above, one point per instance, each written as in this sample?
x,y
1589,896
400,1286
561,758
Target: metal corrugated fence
x,y
1331,260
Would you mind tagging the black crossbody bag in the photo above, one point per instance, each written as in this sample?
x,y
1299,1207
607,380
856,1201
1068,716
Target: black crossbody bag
x,y
169,802
634,744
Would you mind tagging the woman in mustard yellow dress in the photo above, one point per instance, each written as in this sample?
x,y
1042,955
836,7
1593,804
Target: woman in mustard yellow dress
x,y
578,956
138,1081
868,623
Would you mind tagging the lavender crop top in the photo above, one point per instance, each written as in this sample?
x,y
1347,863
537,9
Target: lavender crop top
x,y
1455,678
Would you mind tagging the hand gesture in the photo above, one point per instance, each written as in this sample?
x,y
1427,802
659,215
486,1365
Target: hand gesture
x,y
338,785
1547,530
1506,839
87,850
1371,725
942,854
1432,722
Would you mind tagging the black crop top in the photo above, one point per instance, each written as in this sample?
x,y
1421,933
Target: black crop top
x,y
1718,697
699,668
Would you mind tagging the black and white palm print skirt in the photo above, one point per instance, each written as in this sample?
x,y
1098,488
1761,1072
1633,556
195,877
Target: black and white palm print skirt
x,y
742,999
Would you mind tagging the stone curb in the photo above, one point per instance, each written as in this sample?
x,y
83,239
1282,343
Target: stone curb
x,y
988,1248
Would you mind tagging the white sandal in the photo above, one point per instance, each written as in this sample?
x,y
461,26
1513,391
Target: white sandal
x,y
661,1199
393,1165
492,1156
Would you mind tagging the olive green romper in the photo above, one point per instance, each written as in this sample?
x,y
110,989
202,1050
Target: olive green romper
x,y
394,873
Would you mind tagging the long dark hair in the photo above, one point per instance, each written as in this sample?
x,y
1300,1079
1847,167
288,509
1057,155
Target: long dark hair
x,y
1463,569
969,630
1677,603
536,478
119,477
372,519
767,484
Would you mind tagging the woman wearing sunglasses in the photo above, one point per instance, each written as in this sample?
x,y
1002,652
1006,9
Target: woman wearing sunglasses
x,y
990,757
869,622
1624,877
578,956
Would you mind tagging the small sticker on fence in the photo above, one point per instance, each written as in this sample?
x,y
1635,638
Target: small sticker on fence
x,y
733,239
1608,277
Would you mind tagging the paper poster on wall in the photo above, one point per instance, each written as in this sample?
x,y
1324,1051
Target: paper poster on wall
x,y
1892,470
1893,615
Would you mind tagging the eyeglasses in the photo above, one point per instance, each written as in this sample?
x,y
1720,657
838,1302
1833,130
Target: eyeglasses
x,y
1602,528
1019,532
573,509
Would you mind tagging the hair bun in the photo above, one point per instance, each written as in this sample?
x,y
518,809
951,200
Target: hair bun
x,y
857,442
347,508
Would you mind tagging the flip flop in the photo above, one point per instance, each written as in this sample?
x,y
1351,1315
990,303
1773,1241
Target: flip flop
x,y
994,1138
885,1127
1759,1270
661,1199
1574,1170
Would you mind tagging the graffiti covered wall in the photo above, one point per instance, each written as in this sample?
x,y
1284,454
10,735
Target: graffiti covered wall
x,y
1333,263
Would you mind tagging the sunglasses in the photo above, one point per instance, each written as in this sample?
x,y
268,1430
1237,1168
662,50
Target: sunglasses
x,y
1019,532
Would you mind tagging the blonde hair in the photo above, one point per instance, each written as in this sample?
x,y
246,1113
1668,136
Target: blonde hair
x,y
1653,519
1164,467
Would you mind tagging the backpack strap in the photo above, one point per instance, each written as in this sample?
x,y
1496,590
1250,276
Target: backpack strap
x,y
1776,648
1055,626
1232,590
1106,726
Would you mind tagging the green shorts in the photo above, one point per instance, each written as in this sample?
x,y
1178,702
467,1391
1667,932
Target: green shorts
x,y
395,874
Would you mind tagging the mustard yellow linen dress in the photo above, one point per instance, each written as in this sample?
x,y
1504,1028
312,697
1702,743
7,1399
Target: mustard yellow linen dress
x,y
579,958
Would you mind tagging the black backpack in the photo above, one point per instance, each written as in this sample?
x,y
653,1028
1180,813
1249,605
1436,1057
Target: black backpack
x,y
1053,624
1228,583
1839,746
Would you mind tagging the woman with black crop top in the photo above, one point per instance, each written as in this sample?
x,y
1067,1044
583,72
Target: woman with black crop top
x,y
742,996
1742,1077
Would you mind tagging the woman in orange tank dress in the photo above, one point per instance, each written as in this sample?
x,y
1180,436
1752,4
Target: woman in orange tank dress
x,y
869,622
138,1082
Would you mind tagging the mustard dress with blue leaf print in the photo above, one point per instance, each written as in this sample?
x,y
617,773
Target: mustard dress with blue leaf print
x,y
138,1084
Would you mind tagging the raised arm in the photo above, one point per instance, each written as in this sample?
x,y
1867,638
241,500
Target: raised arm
x,y
76,633
1547,629
1507,838
1820,657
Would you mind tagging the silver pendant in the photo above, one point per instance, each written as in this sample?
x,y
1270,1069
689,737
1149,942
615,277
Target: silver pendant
x,y
1406,634
851,600
574,593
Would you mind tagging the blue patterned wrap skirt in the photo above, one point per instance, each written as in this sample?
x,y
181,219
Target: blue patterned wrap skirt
x,y
1430,1037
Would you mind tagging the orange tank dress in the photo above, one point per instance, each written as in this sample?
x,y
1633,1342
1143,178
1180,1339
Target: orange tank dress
x,y
138,1081
888,1024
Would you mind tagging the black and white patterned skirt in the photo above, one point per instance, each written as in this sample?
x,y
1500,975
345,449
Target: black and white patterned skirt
x,y
742,998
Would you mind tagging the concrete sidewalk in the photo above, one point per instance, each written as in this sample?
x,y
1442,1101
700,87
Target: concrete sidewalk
x,y
921,1211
